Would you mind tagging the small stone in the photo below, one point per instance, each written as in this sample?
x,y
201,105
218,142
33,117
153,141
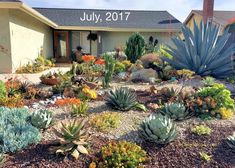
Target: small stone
x,y
35,105
41,102
26,107
59,97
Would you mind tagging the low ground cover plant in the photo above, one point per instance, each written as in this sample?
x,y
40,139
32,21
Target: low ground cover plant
x,y
120,155
201,130
81,109
105,121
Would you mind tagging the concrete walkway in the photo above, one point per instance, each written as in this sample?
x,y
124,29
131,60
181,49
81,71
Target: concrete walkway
x,y
33,78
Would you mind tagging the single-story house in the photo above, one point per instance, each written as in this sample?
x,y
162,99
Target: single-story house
x,y
220,18
24,31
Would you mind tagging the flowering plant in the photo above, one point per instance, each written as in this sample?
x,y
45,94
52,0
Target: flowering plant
x,y
99,62
88,58
67,101
89,92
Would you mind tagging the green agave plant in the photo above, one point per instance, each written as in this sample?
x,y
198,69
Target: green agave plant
x,y
231,141
72,138
123,99
176,111
41,119
158,129
202,51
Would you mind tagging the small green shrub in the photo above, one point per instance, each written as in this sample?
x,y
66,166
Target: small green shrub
x,y
41,119
201,130
15,131
135,47
105,121
3,90
81,109
121,155
220,94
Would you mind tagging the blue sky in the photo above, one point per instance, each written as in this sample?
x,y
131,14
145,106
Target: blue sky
x,y
179,8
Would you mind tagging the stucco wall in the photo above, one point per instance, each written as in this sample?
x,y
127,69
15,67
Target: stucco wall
x,y
5,47
28,35
110,40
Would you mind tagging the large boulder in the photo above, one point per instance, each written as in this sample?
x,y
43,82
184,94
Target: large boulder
x,y
144,75
150,58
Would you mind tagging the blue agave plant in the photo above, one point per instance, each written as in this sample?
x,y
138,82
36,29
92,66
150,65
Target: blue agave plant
x,y
203,51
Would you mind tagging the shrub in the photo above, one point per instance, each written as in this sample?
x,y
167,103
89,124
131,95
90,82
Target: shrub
x,y
81,109
123,99
135,47
201,130
72,138
105,121
176,111
41,119
121,155
158,129
202,51
3,91
15,132
109,70
220,94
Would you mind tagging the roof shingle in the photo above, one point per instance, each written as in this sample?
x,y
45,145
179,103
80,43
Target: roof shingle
x,y
136,19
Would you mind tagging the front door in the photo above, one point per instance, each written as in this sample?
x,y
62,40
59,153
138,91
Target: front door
x,y
61,46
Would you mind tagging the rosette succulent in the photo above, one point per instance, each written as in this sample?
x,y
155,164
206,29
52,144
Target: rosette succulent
x,y
158,129
41,119
176,111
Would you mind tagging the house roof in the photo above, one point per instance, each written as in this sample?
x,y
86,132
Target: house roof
x,y
220,17
136,20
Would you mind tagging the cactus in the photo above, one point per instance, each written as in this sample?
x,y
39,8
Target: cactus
x,y
109,70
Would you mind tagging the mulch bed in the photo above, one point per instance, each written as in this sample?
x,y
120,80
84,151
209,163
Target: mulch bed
x,y
38,156
180,153
185,153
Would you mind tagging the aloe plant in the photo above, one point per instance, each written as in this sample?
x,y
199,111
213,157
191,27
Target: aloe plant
x,y
203,51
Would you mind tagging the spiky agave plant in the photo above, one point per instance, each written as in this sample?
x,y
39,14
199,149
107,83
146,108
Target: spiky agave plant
x,y
72,138
158,129
123,99
176,111
41,119
231,141
203,51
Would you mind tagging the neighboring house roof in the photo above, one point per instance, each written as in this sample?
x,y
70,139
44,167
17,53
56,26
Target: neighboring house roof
x,y
220,17
136,19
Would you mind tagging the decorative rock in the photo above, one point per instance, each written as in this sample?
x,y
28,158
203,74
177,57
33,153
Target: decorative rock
x,y
35,105
41,102
144,75
26,107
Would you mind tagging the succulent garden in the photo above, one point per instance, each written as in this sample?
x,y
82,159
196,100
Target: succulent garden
x,y
146,106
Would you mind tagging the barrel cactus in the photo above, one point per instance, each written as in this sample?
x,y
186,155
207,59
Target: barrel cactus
x,y
41,119
158,129
231,141
203,51
176,111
